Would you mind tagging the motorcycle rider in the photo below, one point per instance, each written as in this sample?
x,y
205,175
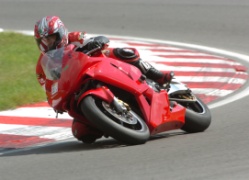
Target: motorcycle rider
x,y
50,33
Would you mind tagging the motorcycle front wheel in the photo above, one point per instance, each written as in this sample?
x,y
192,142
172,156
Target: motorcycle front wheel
x,y
197,118
126,127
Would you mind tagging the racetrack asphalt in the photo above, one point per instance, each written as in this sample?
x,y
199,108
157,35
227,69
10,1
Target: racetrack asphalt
x,y
219,153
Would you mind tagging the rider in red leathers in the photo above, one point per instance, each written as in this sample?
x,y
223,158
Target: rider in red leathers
x,y
50,33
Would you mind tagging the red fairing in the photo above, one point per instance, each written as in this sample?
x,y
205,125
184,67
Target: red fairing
x,y
72,76
103,93
162,118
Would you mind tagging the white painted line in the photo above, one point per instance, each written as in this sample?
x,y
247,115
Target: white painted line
x,y
194,69
152,58
37,112
212,92
56,133
210,79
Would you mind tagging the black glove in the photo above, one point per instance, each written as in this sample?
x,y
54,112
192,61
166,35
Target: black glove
x,y
99,41
94,44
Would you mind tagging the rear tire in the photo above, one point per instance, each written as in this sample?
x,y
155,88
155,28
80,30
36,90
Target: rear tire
x,y
197,118
128,128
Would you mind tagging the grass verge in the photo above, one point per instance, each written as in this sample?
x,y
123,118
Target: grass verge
x,y
18,84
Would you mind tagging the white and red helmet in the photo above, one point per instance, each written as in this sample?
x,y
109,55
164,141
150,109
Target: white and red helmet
x,y
50,25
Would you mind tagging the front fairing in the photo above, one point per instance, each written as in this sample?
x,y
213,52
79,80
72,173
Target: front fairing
x,y
52,63
62,67
119,74
66,69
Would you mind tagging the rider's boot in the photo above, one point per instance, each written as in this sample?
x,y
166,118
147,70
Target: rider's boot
x,y
152,73
131,55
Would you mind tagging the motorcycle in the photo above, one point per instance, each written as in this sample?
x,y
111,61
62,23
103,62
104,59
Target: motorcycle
x,y
113,98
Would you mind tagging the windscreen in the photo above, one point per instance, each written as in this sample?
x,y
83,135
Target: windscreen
x,y
52,63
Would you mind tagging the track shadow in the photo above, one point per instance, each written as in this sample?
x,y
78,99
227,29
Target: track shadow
x,y
167,135
74,146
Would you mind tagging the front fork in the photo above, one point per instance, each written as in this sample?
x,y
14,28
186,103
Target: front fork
x,y
104,93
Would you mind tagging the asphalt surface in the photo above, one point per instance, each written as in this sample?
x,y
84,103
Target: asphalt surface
x,y
219,153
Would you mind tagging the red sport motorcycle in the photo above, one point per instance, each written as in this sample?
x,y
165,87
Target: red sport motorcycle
x,y
113,98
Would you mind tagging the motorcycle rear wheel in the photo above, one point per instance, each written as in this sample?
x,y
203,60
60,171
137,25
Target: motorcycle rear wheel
x,y
98,112
197,118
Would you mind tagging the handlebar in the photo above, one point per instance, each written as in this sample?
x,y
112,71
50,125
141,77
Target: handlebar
x,y
93,50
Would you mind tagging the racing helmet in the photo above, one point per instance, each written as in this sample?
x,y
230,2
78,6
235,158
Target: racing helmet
x,y
47,27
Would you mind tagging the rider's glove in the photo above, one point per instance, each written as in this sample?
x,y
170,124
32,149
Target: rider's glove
x,y
99,41
169,76
94,44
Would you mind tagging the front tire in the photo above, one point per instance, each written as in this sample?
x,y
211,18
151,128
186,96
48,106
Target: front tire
x,y
128,128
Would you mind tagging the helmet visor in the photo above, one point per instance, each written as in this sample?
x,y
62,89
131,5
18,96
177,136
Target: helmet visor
x,y
47,43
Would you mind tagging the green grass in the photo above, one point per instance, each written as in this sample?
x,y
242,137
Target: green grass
x,y
18,58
